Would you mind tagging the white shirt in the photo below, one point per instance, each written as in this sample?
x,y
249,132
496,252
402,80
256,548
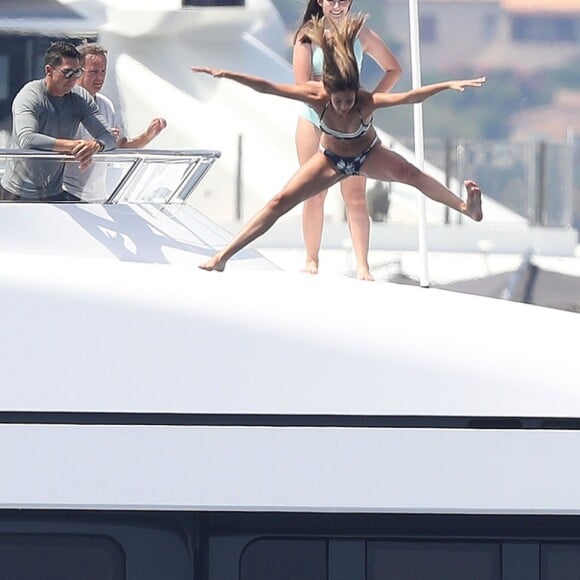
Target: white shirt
x,y
90,184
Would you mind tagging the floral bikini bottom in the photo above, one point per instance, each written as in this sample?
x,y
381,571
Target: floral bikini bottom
x,y
349,165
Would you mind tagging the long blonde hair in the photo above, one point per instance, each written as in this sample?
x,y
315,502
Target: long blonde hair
x,y
340,70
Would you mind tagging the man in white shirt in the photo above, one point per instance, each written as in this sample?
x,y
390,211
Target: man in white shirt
x,y
90,184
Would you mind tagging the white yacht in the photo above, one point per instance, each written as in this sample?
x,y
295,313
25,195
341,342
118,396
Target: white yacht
x,y
159,421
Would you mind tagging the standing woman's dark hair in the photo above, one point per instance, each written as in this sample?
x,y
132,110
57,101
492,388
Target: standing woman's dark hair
x,y
313,8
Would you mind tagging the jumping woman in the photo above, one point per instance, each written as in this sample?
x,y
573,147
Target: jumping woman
x,y
349,143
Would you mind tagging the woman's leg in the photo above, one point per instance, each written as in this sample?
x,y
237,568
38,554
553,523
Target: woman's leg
x,y
307,143
354,195
315,175
389,166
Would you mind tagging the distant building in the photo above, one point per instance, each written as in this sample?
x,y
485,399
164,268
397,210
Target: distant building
x,y
489,34
558,121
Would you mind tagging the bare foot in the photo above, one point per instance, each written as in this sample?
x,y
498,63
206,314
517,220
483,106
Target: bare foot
x,y
311,267
216,263
365,274
473,204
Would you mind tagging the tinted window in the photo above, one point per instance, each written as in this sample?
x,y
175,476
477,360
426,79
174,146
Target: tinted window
x,y
267,559
428,29
557,29
433,560
60,557
560,562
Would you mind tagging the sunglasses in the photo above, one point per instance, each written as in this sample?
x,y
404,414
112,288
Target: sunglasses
x,y
69,73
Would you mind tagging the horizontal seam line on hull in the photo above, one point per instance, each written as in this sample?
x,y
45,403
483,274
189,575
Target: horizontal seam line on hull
x,y
290,420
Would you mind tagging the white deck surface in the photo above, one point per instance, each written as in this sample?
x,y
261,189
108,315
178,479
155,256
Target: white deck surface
x,y
111,336
444,267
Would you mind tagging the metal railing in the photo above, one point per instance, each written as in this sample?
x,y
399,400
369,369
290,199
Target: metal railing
x,y
134,176
535,180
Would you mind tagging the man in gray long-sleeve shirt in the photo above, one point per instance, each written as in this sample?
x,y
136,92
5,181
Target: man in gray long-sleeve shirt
x,y
46,115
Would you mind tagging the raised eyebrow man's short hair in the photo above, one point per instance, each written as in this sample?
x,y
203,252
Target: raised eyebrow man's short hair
x,y
59,50
92,48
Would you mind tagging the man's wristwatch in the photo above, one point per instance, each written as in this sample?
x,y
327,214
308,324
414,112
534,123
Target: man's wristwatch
x,y
101,145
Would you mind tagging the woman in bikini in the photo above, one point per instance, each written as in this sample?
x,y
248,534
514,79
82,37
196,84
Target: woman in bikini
x,y
349,144
307,63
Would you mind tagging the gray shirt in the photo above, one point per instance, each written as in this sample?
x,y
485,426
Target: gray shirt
x,y
38,120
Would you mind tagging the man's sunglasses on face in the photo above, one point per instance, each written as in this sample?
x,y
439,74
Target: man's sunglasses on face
x,y
69,73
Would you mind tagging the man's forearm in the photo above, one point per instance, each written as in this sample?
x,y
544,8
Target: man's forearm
x,y
64,145
30,140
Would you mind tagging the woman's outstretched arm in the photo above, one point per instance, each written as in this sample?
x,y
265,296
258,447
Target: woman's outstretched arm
x,y
381,100
311,92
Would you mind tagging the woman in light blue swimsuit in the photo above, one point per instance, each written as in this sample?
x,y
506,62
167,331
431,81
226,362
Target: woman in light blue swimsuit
x,y
307,64
349,144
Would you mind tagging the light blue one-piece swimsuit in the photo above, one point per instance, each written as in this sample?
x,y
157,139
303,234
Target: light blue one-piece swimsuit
x,y
317,61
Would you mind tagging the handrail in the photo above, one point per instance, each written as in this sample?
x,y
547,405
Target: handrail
x,y
115,153
130,185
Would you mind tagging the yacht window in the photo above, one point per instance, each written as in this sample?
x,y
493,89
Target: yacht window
x,y
560,561
282,559
4,77
450,560
49,556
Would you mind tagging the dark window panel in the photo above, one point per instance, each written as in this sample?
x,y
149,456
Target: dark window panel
x,y
282,559
399,560
59,556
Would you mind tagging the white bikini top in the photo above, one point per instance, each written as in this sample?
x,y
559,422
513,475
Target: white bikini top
x,y
364,127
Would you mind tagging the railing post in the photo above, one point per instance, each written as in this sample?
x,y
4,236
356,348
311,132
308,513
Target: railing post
x,y
568,217
448,151
239,183
460,174
541,175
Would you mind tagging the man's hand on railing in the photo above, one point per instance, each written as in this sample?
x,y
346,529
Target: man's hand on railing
x,y
83,151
